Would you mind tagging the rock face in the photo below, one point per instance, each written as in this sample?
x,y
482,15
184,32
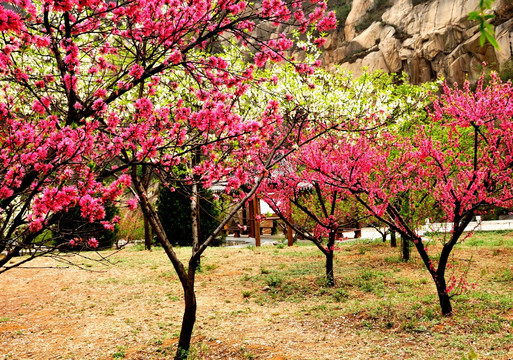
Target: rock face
x,y
430,39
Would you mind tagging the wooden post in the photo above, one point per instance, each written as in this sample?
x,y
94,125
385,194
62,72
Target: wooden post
x,y
290,239
251,219
245,222
358,233
256,222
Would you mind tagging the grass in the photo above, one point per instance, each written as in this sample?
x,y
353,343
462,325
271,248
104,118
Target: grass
x,y
387,293
120,354
243,293
490,239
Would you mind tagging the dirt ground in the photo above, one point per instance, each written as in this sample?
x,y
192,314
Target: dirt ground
x,y
131,308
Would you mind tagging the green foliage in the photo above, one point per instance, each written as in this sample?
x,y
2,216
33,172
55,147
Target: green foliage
x,y
471,355
393,259
495,240
342,8
505,276
340,295
73,226
486,29
274,280
174,210
44,237
506,72
120,354
206,268
131,226
264,270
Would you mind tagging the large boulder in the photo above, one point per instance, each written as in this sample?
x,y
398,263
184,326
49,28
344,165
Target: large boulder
x,y
432,38
358,10
504,35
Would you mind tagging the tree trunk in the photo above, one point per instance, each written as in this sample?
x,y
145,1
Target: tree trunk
x,y
443,296
330,278
195,221
445,303
189,318
405,245
384,236
147,234
393,240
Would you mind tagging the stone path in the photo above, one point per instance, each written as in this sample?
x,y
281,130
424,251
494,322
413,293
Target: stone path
x,y
371,233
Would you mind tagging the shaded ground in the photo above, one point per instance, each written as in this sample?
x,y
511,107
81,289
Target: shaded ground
x,y
267,303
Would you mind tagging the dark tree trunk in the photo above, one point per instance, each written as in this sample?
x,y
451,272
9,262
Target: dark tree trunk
x,y
384,236
189,315
438,276
443,296
405,247
147,234
393,240
330,278
445,303
189,318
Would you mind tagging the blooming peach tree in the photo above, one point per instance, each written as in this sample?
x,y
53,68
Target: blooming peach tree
x,y
213,132
92,90
458,163
305,198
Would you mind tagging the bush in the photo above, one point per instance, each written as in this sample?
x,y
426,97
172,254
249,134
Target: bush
x,y
174,209
131,225
73,226
506,72
342,9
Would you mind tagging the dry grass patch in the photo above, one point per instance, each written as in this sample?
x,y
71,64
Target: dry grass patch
x,y
266,303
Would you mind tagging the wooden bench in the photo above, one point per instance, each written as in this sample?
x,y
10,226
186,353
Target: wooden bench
x,y
356,228
235,230
267,225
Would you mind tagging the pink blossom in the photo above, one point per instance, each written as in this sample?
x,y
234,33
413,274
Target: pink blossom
x,y
136,71
320,41
175,57
132,203
92,243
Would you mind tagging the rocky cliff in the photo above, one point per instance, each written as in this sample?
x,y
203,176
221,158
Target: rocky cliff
x,y
423,38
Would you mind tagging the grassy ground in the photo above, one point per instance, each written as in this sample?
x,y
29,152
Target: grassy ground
x,y
263,303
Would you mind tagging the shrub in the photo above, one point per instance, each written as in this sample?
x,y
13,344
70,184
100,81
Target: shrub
x,y
72,226
506,72
174,209
342,8
131,225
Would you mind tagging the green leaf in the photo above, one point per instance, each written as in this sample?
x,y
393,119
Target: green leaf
x,y
491,39
487,4
474,15
488,27
482,39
